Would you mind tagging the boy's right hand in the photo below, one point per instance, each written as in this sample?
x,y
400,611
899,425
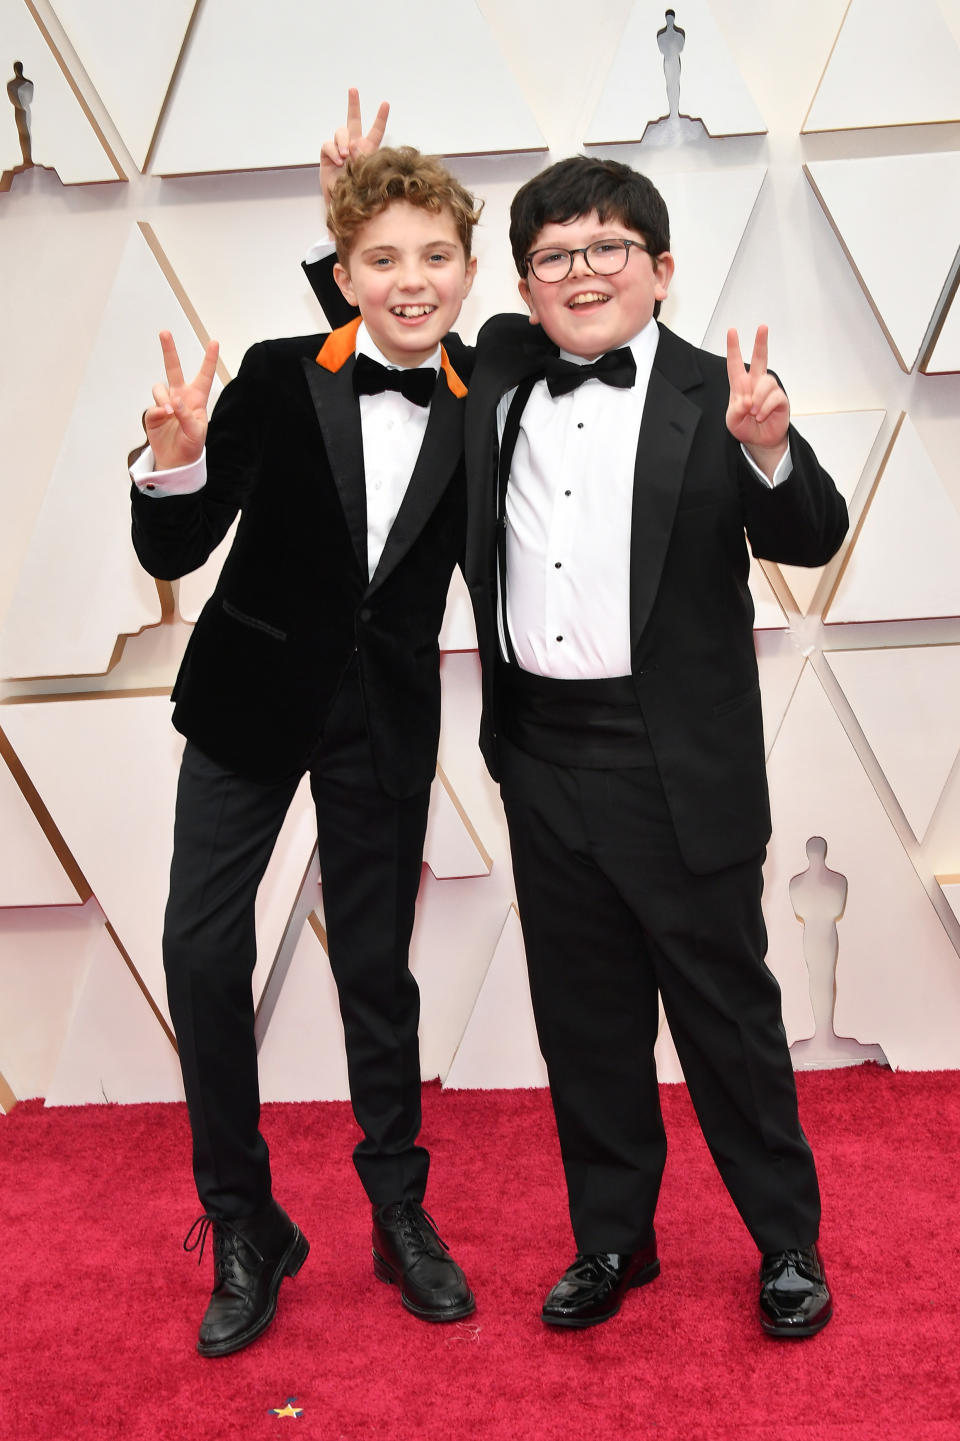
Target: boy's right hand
x,y
176,423
350,141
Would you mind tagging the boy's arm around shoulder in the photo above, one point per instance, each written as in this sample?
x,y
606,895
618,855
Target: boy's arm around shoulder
x,y
176,534
336,307
803,520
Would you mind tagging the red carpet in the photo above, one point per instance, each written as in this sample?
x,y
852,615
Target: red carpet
x,y
99,1306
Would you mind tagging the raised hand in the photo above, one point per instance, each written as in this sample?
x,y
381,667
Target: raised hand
x,y
350,141
758,414
176,423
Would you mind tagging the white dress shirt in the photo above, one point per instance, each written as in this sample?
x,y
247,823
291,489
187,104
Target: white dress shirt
x,y
392,430
569,508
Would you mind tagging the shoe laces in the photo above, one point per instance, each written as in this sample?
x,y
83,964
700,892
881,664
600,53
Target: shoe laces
x,y
802,1259
225,1238
416,1225
591,1267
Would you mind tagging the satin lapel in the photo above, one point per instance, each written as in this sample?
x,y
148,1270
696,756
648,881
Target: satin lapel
x,y
339,417
495,373
670,419
440,454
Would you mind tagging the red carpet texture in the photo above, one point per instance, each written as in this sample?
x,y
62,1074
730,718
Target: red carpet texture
x,y
99,1305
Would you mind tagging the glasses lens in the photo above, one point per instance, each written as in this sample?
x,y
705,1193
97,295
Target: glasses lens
x,y
606,257
550,264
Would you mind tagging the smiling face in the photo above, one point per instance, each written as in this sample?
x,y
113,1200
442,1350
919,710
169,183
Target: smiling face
x,y
409,275
588,314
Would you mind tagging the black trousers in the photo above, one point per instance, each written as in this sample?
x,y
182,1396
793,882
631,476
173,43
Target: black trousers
x,y
611,916
371,849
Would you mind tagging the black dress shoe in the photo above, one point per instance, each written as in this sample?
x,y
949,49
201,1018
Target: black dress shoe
x,y
593,1288
408,1252
794,1296
251,1256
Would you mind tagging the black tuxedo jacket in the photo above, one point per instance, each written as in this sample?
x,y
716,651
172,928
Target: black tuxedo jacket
x,y
293,604
691,614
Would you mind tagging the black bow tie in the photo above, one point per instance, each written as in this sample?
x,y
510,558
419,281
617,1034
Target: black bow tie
x,y
370,378
617,367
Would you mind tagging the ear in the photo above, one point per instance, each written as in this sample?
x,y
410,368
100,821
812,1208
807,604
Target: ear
x,y
342,277
527,297
469,276
663,269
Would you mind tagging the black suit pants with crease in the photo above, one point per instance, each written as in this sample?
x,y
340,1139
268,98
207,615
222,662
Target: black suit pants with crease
x,y
371,849
611,917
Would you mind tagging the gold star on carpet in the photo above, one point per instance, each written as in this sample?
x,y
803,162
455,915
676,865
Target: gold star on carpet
x,y
288,1410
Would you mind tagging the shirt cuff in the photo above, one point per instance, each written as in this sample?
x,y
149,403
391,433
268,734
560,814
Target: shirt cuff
x,y
179,480
319,251
783,471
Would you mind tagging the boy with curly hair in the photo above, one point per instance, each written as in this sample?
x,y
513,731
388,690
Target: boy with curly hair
x,y
317,654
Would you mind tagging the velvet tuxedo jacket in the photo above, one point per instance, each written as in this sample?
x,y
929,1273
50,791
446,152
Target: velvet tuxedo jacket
x,y
293,604
691,615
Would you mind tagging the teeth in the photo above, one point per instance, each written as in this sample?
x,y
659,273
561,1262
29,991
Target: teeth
x,y
586,298
411,312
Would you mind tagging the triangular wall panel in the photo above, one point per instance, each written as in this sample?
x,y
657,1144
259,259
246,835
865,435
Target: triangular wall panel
x,y
81,585
905,563
30,873
950,885
454,936
907,702
63,136
150,37
709,214
114,1050
904,289
780,662
768,612
894,955
195,589
458,632
250,96
44,960
843,442
499,1046
107,771
944,358
711,87
301,1057
891,64
451,847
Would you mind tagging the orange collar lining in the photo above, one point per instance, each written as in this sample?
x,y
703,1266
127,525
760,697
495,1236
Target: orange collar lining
x,y
340,344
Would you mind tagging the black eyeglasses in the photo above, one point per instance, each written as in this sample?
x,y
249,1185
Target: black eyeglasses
x,y
604,257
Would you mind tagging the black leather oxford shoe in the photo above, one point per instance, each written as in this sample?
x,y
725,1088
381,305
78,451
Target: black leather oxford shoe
x,y
794,1296
251,1256
593,1288
407,1252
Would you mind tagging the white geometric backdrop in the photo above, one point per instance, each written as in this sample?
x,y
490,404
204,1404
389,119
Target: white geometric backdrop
x,y
159,169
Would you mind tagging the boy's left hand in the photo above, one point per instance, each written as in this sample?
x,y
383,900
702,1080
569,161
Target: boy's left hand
x,y
758,414
350,141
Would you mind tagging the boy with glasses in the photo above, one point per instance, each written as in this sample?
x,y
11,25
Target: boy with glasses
x,y
613,470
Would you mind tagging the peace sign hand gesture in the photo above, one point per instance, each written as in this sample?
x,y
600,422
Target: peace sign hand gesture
x,y
350,141
758,414
176,423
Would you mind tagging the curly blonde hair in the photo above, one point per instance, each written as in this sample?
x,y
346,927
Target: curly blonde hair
x,y
369,183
